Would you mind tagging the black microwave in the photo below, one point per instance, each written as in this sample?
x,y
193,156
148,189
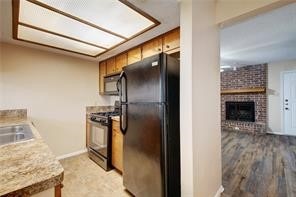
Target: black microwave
x,y
110,84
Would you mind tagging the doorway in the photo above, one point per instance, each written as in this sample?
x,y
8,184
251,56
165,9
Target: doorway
x,y
289,102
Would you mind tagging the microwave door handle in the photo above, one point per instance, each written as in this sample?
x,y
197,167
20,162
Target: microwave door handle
x,y
118,87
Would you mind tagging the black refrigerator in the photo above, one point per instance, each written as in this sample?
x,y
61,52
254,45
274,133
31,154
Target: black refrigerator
x,y
150,123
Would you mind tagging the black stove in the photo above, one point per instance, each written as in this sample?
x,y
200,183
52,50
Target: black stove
x,y
100,137
103,117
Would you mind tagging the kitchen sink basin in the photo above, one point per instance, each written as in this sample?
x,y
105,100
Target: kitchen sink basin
x,y
15,133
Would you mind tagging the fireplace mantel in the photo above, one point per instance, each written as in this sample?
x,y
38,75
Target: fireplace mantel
x,y
244,90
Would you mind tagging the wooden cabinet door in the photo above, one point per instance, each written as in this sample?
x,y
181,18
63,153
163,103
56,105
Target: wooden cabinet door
x,y
117,145
102,73
171,40
87,132
152,47
120,62
134,55
111,68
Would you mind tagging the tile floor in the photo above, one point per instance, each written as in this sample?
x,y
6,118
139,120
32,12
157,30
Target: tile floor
x,y
84,178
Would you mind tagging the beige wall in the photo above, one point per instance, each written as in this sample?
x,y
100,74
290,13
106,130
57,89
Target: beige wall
x,y
55,89
274,93
200,85
229,12
1,77
229,9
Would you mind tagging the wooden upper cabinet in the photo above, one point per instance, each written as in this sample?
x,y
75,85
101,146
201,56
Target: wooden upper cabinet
x,y
134,55
102,73
171,40
152,47
111,67
120,62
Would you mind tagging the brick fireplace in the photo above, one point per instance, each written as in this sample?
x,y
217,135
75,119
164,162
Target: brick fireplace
x,y
242,91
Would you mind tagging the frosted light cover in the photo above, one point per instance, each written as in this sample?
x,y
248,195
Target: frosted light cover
x,y
108,14
40,17
41,37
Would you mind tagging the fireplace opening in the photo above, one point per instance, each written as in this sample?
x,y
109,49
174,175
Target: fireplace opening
x,y
240,111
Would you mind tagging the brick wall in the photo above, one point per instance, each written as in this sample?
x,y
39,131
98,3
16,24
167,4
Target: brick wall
x,y
245,77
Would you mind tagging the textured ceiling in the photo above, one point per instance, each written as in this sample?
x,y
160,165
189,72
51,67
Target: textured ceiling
x,y
165,11
269,37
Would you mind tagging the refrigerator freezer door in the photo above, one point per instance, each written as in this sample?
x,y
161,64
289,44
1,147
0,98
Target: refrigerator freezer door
x,y
142,153
144,82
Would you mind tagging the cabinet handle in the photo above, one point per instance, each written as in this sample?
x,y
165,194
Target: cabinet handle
x,y
167,46
159,49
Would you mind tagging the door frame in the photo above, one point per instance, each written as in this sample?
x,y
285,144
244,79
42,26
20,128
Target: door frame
x,y
282,100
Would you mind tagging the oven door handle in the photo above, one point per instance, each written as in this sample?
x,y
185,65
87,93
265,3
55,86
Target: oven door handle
x,y
97,123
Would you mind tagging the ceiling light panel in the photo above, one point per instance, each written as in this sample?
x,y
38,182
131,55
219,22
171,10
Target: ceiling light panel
x,y
46,19
36,36
112,15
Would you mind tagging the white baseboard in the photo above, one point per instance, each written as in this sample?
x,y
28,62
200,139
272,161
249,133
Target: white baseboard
x,y
72,154
275,133
219,192
278,133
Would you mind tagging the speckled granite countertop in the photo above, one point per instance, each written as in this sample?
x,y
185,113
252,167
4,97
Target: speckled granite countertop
x,y
28,167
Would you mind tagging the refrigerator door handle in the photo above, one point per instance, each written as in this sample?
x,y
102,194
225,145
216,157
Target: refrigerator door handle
x,y
118,86
123,118
122,87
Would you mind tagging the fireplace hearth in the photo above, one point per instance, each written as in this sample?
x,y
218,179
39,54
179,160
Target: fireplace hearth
x,y
240,111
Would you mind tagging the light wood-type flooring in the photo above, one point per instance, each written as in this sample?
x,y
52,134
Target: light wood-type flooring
x,y
258,165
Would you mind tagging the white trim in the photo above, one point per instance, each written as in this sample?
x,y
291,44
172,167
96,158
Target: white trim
x,y
219,192
72,154
281,101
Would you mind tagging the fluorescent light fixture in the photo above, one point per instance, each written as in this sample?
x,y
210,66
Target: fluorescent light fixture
x,y
88,27
36,16
36,36
112,15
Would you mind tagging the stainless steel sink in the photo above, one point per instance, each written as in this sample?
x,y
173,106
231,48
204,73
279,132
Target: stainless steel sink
x,y
15,133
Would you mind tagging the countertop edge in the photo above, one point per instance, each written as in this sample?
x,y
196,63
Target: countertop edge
x,y
38,187
55,178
